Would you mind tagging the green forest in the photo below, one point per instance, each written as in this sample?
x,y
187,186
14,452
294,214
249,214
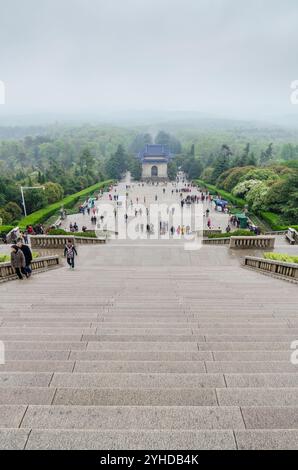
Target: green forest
x,y
257,165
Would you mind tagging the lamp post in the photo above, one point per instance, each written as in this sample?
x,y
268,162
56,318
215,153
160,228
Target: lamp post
x,y
23,198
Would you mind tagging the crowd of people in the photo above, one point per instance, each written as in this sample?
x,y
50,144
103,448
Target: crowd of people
x,y
21,255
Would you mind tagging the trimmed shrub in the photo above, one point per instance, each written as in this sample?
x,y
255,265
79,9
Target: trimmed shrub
x,y
224,194
59,231
281,257
236,233
42,215
4,229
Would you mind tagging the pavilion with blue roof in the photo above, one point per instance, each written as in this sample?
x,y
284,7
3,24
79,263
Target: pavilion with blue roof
x,y
155,159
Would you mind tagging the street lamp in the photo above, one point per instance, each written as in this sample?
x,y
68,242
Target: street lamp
x,y
23,198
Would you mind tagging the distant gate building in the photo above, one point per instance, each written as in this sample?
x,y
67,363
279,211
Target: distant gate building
x,y
155,159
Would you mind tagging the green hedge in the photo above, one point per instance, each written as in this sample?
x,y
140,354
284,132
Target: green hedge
x,y
281,257
236,233
4,229
271,218
60,231
6,258
42,215
275,222
237,201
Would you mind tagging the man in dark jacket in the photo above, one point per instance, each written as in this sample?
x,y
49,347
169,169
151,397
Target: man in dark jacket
x,y
28,256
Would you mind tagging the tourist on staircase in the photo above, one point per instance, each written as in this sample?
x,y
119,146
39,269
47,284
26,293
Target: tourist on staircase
x,y
28,256
18,262
70,252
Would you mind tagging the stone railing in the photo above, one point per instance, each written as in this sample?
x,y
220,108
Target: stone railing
x,y
211,231
216,241
59,241
207,232
254,242
277,268
44,263
276,232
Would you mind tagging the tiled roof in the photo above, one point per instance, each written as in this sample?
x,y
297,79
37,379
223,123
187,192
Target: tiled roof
x,y
155,150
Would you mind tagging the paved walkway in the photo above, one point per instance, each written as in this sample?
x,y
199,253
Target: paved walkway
x,y
149,347
144,196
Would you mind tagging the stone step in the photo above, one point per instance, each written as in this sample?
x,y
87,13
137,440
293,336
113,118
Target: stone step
x,y
250,338
28,396
13,439
25,379
114,439
141,338
135,397
270,417
250,367
27,337
39,346
251,356
189,356
11,416
133,417
33,331
142,346
38,366
137,380
244,346
267,439
258,397
33,355
162,356
263,380
179,367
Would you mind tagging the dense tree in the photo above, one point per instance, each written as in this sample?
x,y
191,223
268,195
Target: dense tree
x,y
34,199
139,142
5,217
167,139
172,170
267,154
117,164
53,191
14,211
222,162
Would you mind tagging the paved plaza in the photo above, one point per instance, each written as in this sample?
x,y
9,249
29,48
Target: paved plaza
x,y
146,345
137,196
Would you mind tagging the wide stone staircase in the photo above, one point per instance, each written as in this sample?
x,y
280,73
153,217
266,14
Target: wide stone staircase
x,y
149,347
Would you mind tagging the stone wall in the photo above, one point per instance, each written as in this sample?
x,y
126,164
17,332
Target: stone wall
x,y
44,263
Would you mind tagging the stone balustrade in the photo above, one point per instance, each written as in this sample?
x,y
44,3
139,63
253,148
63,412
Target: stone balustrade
x,y
277,268
207,232
257,242
216,241
260,242
276,232
59,241
44,263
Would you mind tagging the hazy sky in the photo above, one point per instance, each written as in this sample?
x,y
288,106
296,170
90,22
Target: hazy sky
x,y
214,56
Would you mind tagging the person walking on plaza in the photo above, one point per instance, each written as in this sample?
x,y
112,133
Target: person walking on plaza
x,y
70,252
28,256
18,262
